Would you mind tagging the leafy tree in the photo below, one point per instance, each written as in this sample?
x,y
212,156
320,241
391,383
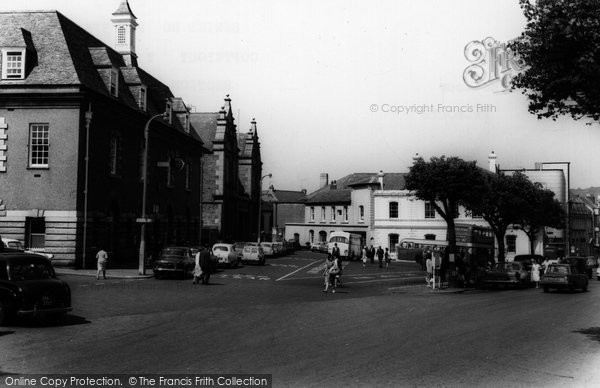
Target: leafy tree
x,y
561,46
541,209
445,183
500,203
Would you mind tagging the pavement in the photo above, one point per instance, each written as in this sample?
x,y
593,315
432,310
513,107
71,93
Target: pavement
x,y
120,273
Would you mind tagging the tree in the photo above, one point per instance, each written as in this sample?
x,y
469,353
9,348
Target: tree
x,y
500,203
445,183
561,47
541,209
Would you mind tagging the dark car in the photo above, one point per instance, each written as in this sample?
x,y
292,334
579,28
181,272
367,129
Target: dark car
x,y
509,273
29,287
564,276
529,259
174,261
585,265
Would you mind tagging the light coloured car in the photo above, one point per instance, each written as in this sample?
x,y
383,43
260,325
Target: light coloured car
x,y
268,249
253,254
16,244
226,254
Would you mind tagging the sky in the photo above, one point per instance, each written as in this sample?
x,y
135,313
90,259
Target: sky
x,y
342,86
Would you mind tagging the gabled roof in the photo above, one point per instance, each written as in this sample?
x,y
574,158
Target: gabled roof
x,y
284,196
205,125
343,187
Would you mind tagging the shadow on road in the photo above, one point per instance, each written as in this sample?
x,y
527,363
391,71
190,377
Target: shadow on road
x,y
2,333
67,320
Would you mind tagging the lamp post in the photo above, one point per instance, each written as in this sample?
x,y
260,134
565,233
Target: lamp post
x,y
88,121
143,220
259,204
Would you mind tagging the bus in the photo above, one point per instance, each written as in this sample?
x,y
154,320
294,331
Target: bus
x,y
349,244
478,241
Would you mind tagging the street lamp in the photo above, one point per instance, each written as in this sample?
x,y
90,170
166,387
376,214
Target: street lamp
x,y
143,220
259,204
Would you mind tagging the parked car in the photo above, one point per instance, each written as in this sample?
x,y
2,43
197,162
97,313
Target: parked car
x,y
509,273
226,254
584,265
238,247
174,261
253,254
319,247
29,287
267,249
564,276
17,245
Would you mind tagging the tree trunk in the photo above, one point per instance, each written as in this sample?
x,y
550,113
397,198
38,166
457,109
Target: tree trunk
x,y
500,232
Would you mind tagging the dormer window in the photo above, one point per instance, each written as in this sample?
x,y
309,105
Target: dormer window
x,y
114,82
13,63
143,97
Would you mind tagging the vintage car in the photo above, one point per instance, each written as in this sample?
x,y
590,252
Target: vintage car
x,y
174,261
319,247
514,273
564,276
29,287
253,254
268,249
226,254
17,245
585,265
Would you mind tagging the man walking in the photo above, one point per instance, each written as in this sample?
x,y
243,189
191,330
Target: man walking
x,y
335,252
102,258
380,256
372,254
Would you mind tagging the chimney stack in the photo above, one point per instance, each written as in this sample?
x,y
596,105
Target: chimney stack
x,y
324,180
492,162
380,179
333,185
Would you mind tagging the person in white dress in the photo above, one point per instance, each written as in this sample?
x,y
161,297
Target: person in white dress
x,y
535,274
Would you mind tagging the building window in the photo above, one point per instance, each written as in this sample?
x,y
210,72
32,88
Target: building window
x,y
114,82
38,145
393,209
13,64
312,213
121,35
311,236
143,98
393,241
429,210
361,212
323,213
115,154
511,243
35,233
345,213
322,236
333,213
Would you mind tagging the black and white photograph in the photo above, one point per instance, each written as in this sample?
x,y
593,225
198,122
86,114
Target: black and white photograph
x,y
278,193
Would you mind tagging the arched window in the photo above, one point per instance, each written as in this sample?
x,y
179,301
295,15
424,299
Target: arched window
x,y
393,209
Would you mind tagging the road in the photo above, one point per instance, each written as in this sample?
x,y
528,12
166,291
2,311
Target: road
x,y
383,328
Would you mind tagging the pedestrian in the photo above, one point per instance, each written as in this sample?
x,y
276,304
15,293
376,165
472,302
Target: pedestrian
x,y
102,258
334,272
429,267
380,256
328,266
387,258
535,273
337,277
335,252
545,264
364,256
372,254
205,261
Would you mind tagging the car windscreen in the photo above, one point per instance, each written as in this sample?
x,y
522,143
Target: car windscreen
x,y
556,269
29,270
220,248
15,245
174,252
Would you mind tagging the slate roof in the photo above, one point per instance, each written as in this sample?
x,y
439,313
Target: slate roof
x,y
205,125
342,193
284,196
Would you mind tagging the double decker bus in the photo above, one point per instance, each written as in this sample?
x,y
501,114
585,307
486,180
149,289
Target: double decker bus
x,y
349,244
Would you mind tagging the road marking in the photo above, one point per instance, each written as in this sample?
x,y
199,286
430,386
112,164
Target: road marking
x,y
299,269
379,280
284,265
244,277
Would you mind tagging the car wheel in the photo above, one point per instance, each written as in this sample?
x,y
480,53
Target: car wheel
x,y
585,287
546,289
3,311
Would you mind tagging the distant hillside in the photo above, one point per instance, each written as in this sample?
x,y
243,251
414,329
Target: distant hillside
x,y
595,191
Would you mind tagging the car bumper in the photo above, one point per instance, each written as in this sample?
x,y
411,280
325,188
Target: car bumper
x,y
35,312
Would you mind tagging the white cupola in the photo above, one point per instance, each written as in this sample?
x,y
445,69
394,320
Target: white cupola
x,y
124,23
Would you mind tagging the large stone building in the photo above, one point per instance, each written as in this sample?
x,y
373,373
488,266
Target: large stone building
x,y
72,117
231,176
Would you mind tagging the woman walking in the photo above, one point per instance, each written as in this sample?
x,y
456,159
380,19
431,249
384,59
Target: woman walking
x,y
326,277
535,274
